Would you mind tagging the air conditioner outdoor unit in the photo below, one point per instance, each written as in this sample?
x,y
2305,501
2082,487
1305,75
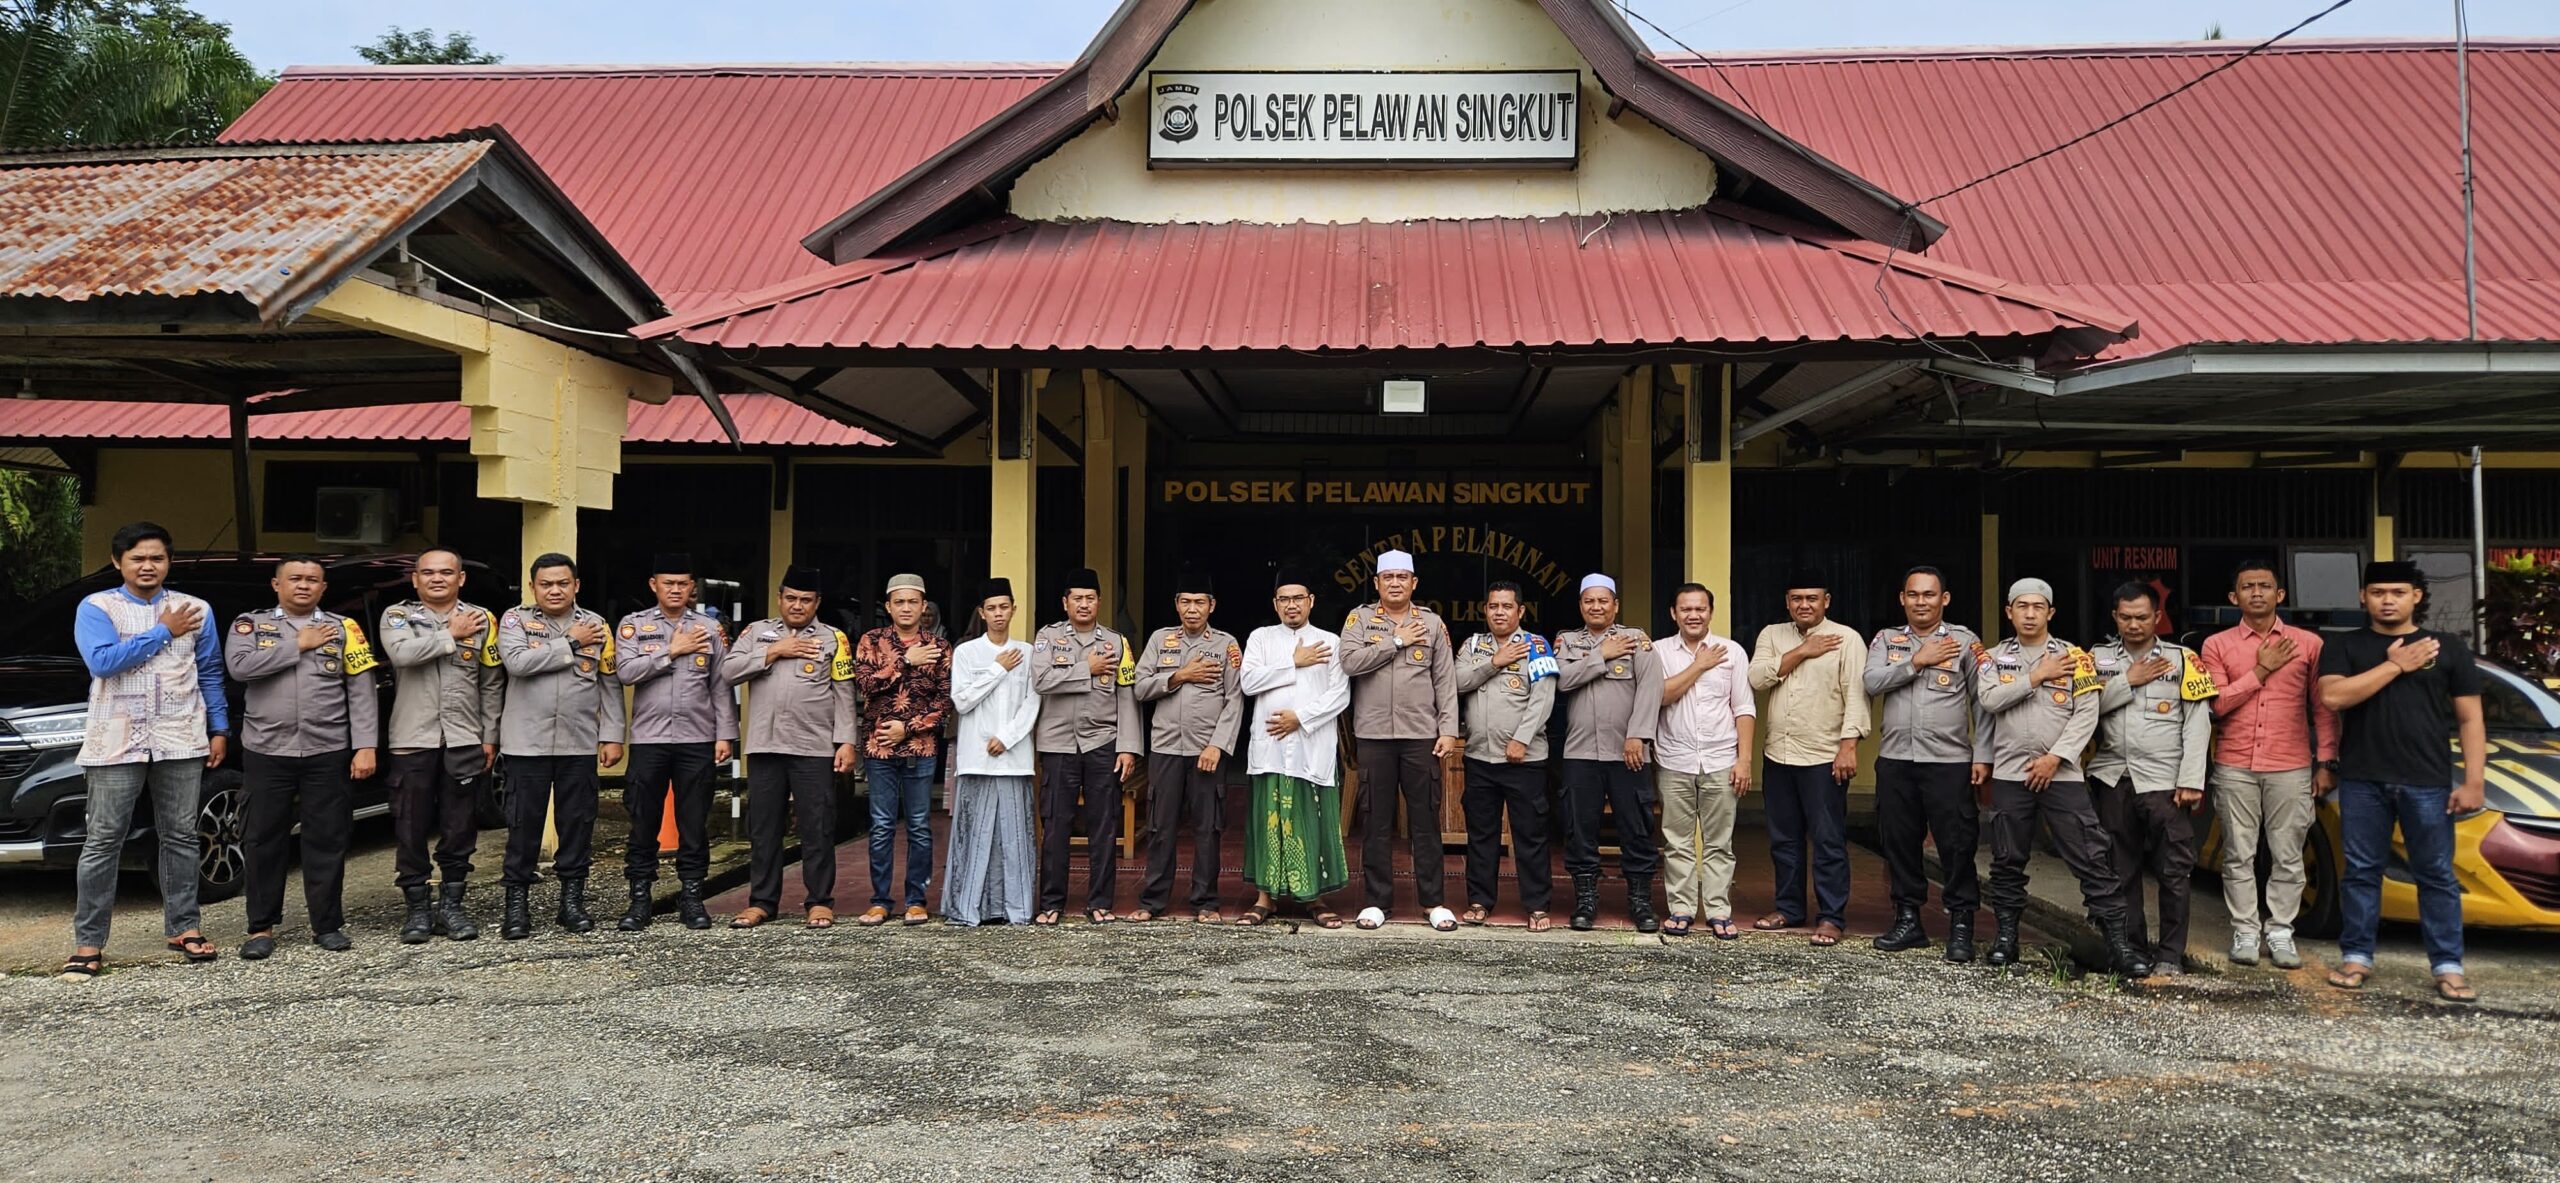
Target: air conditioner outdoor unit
x,y
354,517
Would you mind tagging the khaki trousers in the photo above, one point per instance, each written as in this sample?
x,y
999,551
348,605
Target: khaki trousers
x,y
1697,842
2273,806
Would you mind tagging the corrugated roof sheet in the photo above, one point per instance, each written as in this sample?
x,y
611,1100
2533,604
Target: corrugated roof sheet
x,y
260,227
705,177
2308,195
763,421
1718,276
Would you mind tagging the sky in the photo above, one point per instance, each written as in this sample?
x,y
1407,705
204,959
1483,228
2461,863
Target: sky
x,y
279,33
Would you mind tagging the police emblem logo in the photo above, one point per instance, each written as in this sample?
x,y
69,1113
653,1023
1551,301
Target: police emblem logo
x,y
1945,680
1618,667
629,632
266,642
329,666
1516,683
586,667
1172,641
1169,659
2162,707
1892,658
646,628
1235,657
1901,638
244,628
700,660
808,667
1420,654
2007,678
2061,697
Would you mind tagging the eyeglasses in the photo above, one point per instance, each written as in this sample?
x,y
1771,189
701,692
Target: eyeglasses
x,y
1291,599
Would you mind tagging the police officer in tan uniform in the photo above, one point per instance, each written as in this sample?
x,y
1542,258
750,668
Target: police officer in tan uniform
x,y
309,726
2039,697
1507,679
1404,722
563,716
1611,681
1190,674
2155,741
1088,743
443,736
684,719
1930,759
801,727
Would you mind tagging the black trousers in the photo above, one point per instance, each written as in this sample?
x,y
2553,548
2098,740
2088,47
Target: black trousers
x,y
1177,790
1079,786
1522,789
782,790
2071,817
1808,820
566,787
2148,833
1393,770
1629,794
278,790
433,797
644,799
1916,800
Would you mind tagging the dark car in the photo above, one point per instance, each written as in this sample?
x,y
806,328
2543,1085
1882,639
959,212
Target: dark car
x,y
44,695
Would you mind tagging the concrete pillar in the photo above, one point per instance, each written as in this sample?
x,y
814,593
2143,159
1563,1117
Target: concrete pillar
x,y
1707,480
1131,447
1102,496
1633,476
1013,468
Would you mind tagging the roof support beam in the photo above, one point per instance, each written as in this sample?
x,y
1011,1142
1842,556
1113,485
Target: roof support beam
x,y
2300,397
1752,397
1821,401
806,393
2014,379
2177,430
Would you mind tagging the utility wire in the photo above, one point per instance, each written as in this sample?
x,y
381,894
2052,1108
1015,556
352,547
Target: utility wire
x,y
466,285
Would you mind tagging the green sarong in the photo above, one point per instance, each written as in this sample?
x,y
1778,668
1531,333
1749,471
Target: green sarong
x,y
1293,848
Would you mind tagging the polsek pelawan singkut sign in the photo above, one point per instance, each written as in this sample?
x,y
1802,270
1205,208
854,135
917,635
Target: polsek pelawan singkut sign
x,y
1419,119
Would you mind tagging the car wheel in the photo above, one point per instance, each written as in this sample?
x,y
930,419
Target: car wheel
x,y
222,847
2319,918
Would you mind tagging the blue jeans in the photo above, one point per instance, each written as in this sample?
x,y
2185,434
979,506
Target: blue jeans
x,y
901,792
2367,813
114,791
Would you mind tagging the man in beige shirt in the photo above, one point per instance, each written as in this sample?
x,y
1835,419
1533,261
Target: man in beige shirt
x,y
1809,667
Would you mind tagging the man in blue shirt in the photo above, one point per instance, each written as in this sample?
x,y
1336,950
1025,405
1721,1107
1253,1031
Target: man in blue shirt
x,y
156,718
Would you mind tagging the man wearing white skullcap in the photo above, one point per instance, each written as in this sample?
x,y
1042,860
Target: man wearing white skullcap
x,y
1404,722
1611,683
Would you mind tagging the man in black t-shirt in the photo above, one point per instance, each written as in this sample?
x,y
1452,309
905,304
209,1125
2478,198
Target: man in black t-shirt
x,y
2399,690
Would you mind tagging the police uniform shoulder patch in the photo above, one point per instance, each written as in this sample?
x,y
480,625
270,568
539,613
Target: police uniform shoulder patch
x,y
840,667
629,631
244,628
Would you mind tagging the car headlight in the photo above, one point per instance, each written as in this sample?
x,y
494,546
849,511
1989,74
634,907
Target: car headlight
x,y
65,730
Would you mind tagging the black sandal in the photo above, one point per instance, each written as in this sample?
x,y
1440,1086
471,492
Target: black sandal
x,y
82,966
1254,915
196,948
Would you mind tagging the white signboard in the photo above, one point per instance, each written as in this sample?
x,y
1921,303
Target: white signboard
x,y
1451,118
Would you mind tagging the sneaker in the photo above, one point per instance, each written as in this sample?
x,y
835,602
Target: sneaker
x,y
2244,948
2281,951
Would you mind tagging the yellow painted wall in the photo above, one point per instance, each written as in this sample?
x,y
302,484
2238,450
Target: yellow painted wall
x,y
188,490
1626,163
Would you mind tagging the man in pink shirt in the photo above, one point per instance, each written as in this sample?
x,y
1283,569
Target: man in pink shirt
x,y
1701,762
2275,751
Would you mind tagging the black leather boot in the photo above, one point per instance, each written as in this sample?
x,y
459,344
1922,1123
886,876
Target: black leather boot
x,y
1586,902
1640,903
573,905
451,920
636,917
689,906
516,922
420,923
1960,938
2122,958
1906,932
2004,941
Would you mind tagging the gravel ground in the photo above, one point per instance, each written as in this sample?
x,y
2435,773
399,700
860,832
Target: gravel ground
x,y
1179,1052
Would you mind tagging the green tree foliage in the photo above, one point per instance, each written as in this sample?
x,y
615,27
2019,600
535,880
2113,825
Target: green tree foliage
x,y
116,72
39,533
421,47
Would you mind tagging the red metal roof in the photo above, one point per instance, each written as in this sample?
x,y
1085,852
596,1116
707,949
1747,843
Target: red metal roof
x,y
1717,276
763,421
2226,215
705,177
2308,195
260,226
